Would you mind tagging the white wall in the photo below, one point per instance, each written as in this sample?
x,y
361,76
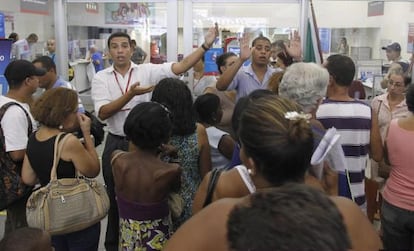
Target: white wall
x,y
26,23
393,25
330,14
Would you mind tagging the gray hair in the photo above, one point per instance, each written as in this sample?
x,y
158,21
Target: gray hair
x,y
305,83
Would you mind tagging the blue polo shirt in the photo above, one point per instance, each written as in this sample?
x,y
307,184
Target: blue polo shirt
x,y
246,81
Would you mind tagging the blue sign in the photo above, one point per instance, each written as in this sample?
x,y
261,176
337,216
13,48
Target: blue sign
x,y
325,39
2,32
210,66
5,49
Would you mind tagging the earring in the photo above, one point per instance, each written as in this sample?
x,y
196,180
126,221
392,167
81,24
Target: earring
x,y
250,171
60,127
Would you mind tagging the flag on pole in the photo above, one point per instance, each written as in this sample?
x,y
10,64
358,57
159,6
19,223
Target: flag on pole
x,y
312,52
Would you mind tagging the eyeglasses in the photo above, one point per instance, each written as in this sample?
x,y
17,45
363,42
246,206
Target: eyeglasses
x,y
395,84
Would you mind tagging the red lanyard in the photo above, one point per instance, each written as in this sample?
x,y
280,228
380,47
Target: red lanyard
x,y
129,80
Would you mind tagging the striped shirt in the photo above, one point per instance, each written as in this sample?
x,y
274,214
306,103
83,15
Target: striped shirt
x,y
352,119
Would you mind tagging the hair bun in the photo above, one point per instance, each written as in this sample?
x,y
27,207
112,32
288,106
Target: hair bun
x,y
298,129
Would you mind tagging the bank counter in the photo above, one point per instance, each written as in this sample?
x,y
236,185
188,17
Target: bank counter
x,y
84,72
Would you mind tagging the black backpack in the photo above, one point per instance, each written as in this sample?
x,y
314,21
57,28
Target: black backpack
x,y
12,187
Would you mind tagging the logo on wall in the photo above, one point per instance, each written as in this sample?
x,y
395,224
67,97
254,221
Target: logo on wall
x,y
92,7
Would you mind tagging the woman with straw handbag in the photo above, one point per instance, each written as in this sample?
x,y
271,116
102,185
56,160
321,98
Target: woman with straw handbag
x,y
56,111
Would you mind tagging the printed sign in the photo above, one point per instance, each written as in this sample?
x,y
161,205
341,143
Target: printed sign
x,y
410,42
2,32
35,6
375,8
5,49
210,66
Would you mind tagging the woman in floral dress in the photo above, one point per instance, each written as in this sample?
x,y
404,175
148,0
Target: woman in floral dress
x,y
188,137
143,181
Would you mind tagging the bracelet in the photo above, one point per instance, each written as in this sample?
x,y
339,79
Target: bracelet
x,y
204,47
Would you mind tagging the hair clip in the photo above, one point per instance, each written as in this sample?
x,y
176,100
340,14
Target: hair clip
x,y
165,108
297,116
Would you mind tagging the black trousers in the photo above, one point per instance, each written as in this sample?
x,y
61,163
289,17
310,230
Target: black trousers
x,y
113,143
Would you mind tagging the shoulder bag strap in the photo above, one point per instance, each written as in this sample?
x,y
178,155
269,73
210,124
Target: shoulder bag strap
x,y
215,174
3,110
57,151
6,106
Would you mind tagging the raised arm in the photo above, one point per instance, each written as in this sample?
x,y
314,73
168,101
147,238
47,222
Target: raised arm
x,y
190,60
294,48
227,77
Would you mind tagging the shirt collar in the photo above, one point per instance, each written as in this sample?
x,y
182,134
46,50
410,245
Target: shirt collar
x,y
111,69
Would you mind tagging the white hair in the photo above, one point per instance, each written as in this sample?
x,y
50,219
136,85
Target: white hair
x,y
305,83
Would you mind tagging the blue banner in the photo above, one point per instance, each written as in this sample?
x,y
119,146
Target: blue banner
x,y
2,32
5,49
210,66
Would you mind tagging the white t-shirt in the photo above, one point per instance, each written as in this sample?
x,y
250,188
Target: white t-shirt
x,y
107,88
204,82
15,125
217,159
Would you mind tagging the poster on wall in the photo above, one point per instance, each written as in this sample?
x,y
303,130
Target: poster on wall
x,y
5,49
35,7
128,13
410,42
325,39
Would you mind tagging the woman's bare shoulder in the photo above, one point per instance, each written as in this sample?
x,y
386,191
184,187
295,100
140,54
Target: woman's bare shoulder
x,y
230,185
361,232
213,218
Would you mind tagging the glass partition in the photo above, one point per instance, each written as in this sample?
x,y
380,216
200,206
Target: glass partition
x,y
234,19
145,22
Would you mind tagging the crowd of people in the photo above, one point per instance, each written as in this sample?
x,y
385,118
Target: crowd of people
x,y
226,168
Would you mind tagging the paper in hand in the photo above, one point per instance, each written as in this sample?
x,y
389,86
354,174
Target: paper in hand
x,y
329,149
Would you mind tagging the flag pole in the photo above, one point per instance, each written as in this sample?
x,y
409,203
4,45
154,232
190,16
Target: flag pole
x,y
316,30
303,28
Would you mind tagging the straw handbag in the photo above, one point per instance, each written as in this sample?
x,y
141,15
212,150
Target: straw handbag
x,y
66,205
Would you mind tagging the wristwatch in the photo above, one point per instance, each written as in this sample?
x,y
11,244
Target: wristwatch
x,y
205,48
